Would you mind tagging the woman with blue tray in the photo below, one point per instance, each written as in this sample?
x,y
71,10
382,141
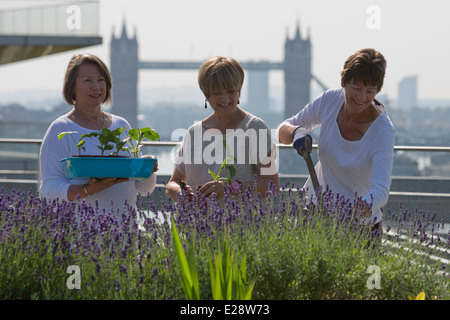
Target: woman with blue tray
x,y
87,85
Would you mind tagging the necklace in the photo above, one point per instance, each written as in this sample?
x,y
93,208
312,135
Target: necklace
x,y
88,123
103,121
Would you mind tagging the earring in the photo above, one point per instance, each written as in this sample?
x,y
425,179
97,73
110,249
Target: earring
x,y
206,106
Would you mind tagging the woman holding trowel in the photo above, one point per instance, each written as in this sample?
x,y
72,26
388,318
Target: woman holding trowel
x,y
356,141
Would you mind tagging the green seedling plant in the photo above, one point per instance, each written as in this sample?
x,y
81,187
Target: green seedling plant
x,y
135,137
230,168
110,140
79,144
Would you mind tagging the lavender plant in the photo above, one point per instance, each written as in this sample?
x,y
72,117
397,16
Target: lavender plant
x,y
293,250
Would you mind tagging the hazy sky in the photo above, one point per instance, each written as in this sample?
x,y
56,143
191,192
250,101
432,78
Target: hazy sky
x,y
412,34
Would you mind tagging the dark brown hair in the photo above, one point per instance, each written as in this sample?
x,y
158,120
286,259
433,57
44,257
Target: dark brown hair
x,y
72,74
367,66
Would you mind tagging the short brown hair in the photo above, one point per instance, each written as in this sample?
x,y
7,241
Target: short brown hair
x,y
367,66
220,73
70,78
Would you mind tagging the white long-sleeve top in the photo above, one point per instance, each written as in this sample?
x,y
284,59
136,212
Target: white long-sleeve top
x,y
360,167
55,184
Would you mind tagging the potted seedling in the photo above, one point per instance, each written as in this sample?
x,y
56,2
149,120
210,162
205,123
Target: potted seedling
x,y
108,139
112,165
231,170
135,137
79,144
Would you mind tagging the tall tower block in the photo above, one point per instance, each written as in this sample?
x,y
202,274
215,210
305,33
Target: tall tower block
x,y
297,73
124,71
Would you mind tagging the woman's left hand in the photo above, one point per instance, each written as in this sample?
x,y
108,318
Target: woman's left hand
x,y
95,185
216,187
155,164
363,210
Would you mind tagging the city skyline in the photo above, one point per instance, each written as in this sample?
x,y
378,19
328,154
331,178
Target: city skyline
x,y
411,35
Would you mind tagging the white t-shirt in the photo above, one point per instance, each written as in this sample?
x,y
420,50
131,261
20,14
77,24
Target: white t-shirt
x,y
245,147
360,167
54,182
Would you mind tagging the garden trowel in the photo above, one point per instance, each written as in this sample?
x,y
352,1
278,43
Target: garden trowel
x,y
312,172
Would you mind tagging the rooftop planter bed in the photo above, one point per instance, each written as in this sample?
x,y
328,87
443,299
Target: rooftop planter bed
x,y
284,248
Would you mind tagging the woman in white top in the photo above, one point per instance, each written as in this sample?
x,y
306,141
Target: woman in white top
x,y
87,85
229,132
356,141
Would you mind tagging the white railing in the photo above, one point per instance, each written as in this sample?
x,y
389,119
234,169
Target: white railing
x,y
165,144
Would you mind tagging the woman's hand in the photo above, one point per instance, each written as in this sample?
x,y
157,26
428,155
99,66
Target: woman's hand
x,y
173,189
155,164
363,210
93,186
216,187
96,185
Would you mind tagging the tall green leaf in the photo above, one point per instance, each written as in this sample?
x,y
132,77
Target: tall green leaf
x,y
228,282
187,265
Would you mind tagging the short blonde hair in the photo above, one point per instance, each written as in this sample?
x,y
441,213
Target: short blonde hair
x,y
70,78
220,73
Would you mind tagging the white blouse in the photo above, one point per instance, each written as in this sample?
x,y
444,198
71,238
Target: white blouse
x,y
362,168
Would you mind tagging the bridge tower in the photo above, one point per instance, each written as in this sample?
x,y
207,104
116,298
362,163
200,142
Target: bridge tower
x,y
297,73
124,71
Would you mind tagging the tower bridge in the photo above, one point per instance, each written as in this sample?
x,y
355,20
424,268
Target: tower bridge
x,y
125,66
192,65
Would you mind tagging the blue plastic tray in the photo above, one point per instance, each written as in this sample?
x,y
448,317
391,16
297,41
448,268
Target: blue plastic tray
x,y
108,167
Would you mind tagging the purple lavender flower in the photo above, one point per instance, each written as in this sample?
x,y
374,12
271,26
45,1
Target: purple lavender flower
x,y
123,269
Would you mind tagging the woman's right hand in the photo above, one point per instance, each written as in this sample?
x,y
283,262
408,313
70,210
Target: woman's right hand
x,y
302,141
96,185
173,189
214,187
93,186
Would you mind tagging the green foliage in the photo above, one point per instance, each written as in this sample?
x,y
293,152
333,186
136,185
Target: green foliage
x,y
108,139
135,138
228,282
279,248
187,266
111,140
230,168
79,144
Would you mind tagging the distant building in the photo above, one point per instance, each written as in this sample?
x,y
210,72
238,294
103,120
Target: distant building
x,y
124,71
125,66
407,92
297,73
